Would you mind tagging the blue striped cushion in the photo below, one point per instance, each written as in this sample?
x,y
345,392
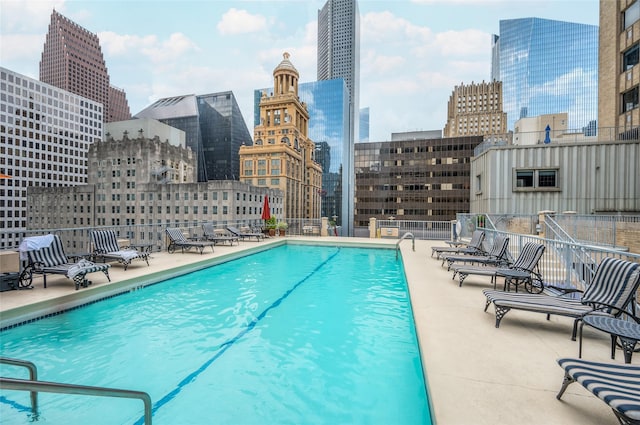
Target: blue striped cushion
x,y
618,385
615,282
176,235
105,240
51,256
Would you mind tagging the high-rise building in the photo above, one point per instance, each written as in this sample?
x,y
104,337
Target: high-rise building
x,y
547,67
282,155
72,60
413,178
139,185
328,106
339,57
214,127
476,110
45,133
364,125
619,76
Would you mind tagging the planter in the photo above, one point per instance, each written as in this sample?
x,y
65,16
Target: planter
x,y
282,232
272,232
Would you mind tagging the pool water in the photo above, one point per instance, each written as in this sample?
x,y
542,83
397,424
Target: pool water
x,y
292,335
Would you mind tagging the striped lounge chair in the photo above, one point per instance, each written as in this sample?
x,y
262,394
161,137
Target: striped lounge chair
x,y
617,385
51,259
526,266
612,290
105,246
245,234
218,235
497,255
177,240
474,247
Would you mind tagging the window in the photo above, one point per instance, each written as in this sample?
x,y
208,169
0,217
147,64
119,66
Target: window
x,y
630,57
542,179
630,100
547,178
524,178
479,184
631,15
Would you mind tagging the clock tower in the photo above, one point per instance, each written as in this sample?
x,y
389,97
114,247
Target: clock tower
x,y
282,155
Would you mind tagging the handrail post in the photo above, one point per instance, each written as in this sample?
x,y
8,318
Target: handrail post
x,y
33,376
60,388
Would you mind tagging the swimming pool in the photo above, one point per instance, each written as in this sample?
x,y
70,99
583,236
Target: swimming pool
x,y
295,334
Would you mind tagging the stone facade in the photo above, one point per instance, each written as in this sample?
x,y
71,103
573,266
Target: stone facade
x,y
282,155
475,110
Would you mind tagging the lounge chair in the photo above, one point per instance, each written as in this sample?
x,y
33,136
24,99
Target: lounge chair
x,y
497,255
245,235
177,240
218,235
617,385
612,290
105,246
523,270
45,255
473,247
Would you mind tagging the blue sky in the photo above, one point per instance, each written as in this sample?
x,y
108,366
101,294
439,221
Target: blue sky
x,y
413,52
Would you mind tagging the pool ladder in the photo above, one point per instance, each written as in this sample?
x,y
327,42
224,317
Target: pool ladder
x,y
405,236
34,386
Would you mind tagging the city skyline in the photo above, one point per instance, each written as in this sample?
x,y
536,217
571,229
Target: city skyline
x,y
413,53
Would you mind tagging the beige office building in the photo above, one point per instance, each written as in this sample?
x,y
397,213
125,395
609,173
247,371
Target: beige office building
x,y
476,110
282,155
618,70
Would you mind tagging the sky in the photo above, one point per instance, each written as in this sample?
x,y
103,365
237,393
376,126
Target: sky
x,y
412,52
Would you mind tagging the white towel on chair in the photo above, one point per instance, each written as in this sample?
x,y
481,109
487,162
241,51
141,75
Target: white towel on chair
x,y
80,267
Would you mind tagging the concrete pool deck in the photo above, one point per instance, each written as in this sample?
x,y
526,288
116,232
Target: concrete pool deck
x,y
476,374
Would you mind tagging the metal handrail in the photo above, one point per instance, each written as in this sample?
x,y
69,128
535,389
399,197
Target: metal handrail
x,y
56,387
33,376
405,236
35,386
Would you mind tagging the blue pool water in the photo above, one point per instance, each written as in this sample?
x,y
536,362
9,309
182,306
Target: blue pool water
x,y
293,335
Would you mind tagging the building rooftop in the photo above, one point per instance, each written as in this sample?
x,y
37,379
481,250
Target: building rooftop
x,y
475,373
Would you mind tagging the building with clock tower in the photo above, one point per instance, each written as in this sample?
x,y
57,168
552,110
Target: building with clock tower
x,y
282,156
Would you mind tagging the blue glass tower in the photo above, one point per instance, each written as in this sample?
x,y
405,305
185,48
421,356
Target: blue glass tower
x,y
214,127
328,105
547,67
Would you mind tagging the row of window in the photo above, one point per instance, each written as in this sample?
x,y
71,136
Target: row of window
x,y
525,180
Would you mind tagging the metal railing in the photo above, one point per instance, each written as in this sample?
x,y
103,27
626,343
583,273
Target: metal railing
x,y
435,230
597,229
564,264
35,386
403,237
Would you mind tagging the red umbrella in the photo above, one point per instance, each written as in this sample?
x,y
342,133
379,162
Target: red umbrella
x,y
266,212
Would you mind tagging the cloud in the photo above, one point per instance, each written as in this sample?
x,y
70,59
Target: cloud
x,y
150,46
469,42
34,15
17,47
236,21
385,26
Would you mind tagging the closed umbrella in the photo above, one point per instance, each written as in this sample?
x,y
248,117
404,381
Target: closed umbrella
x,y
266,212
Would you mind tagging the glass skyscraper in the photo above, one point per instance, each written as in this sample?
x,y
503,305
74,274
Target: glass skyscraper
x,y
339,57
214,127
328,106
547,67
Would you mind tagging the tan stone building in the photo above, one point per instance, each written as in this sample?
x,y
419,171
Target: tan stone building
x,y
619,73
476,110
282,155
138,186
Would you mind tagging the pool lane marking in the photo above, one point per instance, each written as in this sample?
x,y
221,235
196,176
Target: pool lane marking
x,y
227,344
